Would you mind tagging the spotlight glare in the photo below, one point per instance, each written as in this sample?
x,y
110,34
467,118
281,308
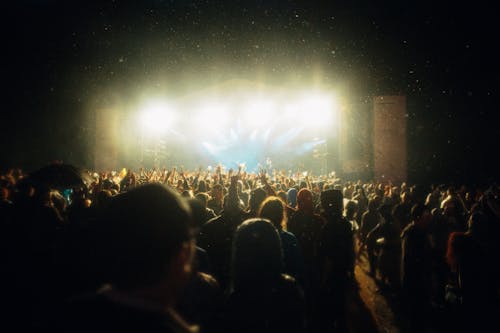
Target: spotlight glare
x,y
317,110
259,113
157,117
212,116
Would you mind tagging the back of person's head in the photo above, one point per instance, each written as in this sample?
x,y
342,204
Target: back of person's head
x,y
140,233
386,211
332,201
421,214
198,212
417,211
217,191
273,209
202,186
478,226
231,204
102,198
374,203
305,200
187,194
257,253
292,197
256,197
282,195
350,209
203,198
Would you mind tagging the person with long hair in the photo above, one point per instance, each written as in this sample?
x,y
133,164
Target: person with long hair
x,y
274,209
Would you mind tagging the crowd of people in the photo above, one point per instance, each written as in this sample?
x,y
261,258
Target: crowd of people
x,y
233,251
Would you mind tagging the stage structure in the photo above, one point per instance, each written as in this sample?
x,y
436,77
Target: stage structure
x,y
261,126
389,138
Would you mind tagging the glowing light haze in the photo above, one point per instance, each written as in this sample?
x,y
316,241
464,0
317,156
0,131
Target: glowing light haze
x,y
248,127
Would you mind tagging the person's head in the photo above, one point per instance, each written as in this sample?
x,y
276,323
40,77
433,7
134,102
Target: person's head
x,y
217,192
373,204
257,255
102,198
292,197
273,209
203,198
421,215
478,225
198,211
305,200
188,194
231,205
256,197
145,240
386,211
351,209
282,195
332,201
202,186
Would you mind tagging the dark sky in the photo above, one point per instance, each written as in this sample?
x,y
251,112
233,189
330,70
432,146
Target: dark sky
x,y
60,55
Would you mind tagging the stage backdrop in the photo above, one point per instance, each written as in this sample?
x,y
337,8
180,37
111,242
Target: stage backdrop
x,y
389,138
356,140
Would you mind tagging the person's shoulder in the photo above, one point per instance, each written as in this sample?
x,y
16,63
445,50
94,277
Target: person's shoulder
x,y
457,239
408,230
212,223
290,286
287,234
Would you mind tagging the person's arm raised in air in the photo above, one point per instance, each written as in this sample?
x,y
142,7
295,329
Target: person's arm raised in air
x,y
220,180
263,179
185,183
196,178
308,182
170,177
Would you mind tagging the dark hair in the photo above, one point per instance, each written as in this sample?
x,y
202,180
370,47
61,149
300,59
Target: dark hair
x,y
202,186
417,210
257,253
273,208
139,233
332,201
202,197
256,197
198,211
479,225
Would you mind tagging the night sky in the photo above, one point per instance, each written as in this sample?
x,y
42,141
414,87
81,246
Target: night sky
x,y
60,55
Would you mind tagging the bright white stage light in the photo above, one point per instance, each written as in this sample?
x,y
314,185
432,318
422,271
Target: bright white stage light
x,y
212,116
157,117
316,110
259,113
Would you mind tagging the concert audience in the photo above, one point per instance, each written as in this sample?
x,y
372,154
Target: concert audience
x,y
273,252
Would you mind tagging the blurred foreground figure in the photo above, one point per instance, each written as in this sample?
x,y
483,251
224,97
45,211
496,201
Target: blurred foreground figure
x,y
336,253
145,248
261,297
